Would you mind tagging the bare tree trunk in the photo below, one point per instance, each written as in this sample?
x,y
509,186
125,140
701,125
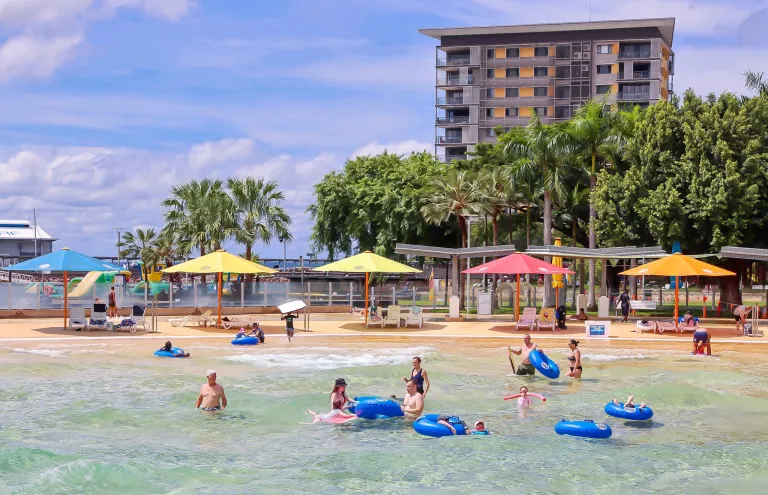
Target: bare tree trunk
x,y
547,242
591,301
248,255
494,278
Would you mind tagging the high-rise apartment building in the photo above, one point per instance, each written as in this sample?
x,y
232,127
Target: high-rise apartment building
x,y
501,76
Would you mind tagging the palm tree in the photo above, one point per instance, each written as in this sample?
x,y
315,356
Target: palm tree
x,y
141,245
756,81
593,130
260,213
542,149
528,195
497,192
569,208
165,250
453,195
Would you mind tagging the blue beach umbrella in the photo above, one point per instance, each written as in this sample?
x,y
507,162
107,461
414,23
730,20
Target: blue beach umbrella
x,y
64,261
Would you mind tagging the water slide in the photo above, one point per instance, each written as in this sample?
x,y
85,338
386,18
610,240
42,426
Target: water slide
x,y
84,287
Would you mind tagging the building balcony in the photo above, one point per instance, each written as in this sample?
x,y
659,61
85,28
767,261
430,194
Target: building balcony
x,y
453,62
455,81
623,96
459,119
639,74
448,140
455,100
635,54
450,158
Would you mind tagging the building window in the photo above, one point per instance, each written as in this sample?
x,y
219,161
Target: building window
x,y
540,111
563,72
489,93
604,69
490,53
539,72
513,53
490,73
511,112
540,91
490,132
512,92
604,49
541,51
514,72
603,89
489,113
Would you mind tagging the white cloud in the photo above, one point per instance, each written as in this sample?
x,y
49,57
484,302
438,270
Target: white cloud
x,y
217,152
715,69
26,13
167,9
24,57
397,148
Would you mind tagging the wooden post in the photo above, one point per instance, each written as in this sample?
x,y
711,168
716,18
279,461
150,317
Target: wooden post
x,y
517,299
366,299
218,290
66,298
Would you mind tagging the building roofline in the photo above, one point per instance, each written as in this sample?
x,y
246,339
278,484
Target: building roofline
x,y
665,25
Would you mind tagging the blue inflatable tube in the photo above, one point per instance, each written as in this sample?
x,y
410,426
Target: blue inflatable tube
x,y
375,408
175,352
586,429
636,414
544,365
246,341
427,425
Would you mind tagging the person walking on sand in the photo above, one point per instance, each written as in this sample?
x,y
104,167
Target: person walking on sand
x,y
211,396
419,376
413,402
289,317
526,368
112,299
624,301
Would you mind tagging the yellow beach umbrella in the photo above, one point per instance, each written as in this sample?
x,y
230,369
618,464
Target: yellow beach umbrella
x,y
367,262
219,262
557,279
678,265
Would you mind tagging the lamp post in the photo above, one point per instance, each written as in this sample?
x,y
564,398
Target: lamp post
x,y
469,219
118,229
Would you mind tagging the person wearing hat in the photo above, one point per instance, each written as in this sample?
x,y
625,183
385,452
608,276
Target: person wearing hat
x,y
574,359
212,396
339,403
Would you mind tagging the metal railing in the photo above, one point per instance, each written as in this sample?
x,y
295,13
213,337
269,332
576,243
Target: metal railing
x,y
455,81
635,54
450,158
624,96
452,100
639,74
453,62
448,139
458,119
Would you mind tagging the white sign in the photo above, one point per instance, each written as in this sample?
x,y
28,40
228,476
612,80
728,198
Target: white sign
x,y
598,328
484,303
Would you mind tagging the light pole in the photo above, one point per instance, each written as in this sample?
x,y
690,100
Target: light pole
x,y
469,219
118,229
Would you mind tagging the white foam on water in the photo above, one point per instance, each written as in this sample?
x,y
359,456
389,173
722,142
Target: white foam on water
x,y
331,358
39,352
626,354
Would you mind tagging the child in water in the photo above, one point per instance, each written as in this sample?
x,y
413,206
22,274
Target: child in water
x,y
524,400
629,405
479,428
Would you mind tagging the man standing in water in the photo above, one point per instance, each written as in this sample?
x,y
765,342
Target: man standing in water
x,y
212,396
413,402
526,368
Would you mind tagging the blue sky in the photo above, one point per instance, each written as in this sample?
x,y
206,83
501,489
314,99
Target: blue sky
x,y
105,104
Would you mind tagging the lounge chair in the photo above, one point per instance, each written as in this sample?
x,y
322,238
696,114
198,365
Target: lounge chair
x,y
682,327
99,320
669,325
239,321
527,319
646,326
393,316
77,318
200,320
547,319
415,317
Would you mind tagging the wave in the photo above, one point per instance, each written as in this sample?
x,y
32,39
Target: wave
x,y
38,352
332,359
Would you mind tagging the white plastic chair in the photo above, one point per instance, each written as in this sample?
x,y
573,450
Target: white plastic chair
x,y
415,317
393,316
77,318
99,318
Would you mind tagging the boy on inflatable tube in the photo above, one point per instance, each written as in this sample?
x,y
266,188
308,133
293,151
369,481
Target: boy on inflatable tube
x,y
526,368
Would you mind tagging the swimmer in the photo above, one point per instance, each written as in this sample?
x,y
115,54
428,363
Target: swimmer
x,y
212,396
168,347
629,405
524,400
257,332
479,428
413,402
526,368
574,359
339,403
419,375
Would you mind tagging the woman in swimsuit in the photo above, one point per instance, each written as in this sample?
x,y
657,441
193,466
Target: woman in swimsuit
x,y
419,377
339,402
574,359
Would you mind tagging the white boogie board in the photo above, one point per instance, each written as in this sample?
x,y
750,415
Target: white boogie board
x,y
291,307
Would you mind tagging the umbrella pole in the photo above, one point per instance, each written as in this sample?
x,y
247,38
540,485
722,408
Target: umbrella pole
x,y
517,299
218,323
66,299
366,299
677,289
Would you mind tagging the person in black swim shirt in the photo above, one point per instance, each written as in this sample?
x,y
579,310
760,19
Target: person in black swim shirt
x,y
289,324
419,377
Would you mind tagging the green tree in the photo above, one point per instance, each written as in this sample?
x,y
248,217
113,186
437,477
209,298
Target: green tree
x,y
141,245
756,81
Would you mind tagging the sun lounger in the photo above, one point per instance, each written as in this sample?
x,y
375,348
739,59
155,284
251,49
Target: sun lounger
x,y
415,317
239,321
527,320
646,326
668,325
77,318
682,327
393,316
547,319
98,320
200,320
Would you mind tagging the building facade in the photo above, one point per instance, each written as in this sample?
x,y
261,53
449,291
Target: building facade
x,y
20,241
501,76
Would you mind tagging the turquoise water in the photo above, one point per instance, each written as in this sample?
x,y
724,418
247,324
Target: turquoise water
x,y
98,418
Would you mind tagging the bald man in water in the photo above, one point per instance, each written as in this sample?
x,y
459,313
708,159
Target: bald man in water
x,y
212,396
413,402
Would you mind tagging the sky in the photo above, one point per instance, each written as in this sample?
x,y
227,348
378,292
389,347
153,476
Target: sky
x,y
106,104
